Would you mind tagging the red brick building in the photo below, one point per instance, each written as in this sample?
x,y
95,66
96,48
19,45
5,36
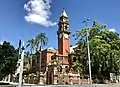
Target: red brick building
x,y
56,64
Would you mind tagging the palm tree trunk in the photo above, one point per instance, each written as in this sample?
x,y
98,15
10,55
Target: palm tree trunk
x,y
40,62
31,58
40,57
40,54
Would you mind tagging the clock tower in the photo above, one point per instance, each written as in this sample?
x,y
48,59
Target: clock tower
x,y
63,34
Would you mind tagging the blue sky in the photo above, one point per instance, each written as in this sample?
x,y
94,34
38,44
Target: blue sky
x,y
14,26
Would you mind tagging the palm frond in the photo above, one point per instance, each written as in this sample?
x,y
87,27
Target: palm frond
x,y
41,40
27,45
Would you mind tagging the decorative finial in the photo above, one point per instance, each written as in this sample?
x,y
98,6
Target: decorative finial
x,y
64,13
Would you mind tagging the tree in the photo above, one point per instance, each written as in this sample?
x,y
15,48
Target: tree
x,y
78,67
40,41
27,60
81,58
31,44
8,59
104,49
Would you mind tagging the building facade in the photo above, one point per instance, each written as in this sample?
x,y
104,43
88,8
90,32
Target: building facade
x,y
56,64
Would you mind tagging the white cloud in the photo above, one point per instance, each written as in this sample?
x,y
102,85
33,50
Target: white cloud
x,y
113,30
39,12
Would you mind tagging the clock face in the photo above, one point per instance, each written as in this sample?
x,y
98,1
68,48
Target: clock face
x,y
66,36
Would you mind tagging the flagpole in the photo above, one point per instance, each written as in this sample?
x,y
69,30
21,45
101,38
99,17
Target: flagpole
x,y
89,61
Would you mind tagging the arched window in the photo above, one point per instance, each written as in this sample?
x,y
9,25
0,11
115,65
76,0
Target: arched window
x,y
60,27
60,69
66,69
66,27
74,59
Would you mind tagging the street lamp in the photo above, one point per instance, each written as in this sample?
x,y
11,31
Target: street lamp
x,y
21,63
88,19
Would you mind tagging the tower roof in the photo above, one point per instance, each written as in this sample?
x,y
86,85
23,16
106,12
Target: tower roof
x,y
64,13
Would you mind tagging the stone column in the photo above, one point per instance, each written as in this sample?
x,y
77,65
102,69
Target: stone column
x,y
71,82
55,70
55,80
88,80
55,76
41,78
45,80
79,82
70,79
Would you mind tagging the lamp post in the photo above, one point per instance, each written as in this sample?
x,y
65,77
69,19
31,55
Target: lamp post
x,y
21,65
86,21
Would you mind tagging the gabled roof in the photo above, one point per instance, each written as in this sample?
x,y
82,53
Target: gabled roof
x,y
72,48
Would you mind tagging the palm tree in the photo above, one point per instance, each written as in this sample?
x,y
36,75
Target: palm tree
x,y
31,44
27,56
40,41
27,62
